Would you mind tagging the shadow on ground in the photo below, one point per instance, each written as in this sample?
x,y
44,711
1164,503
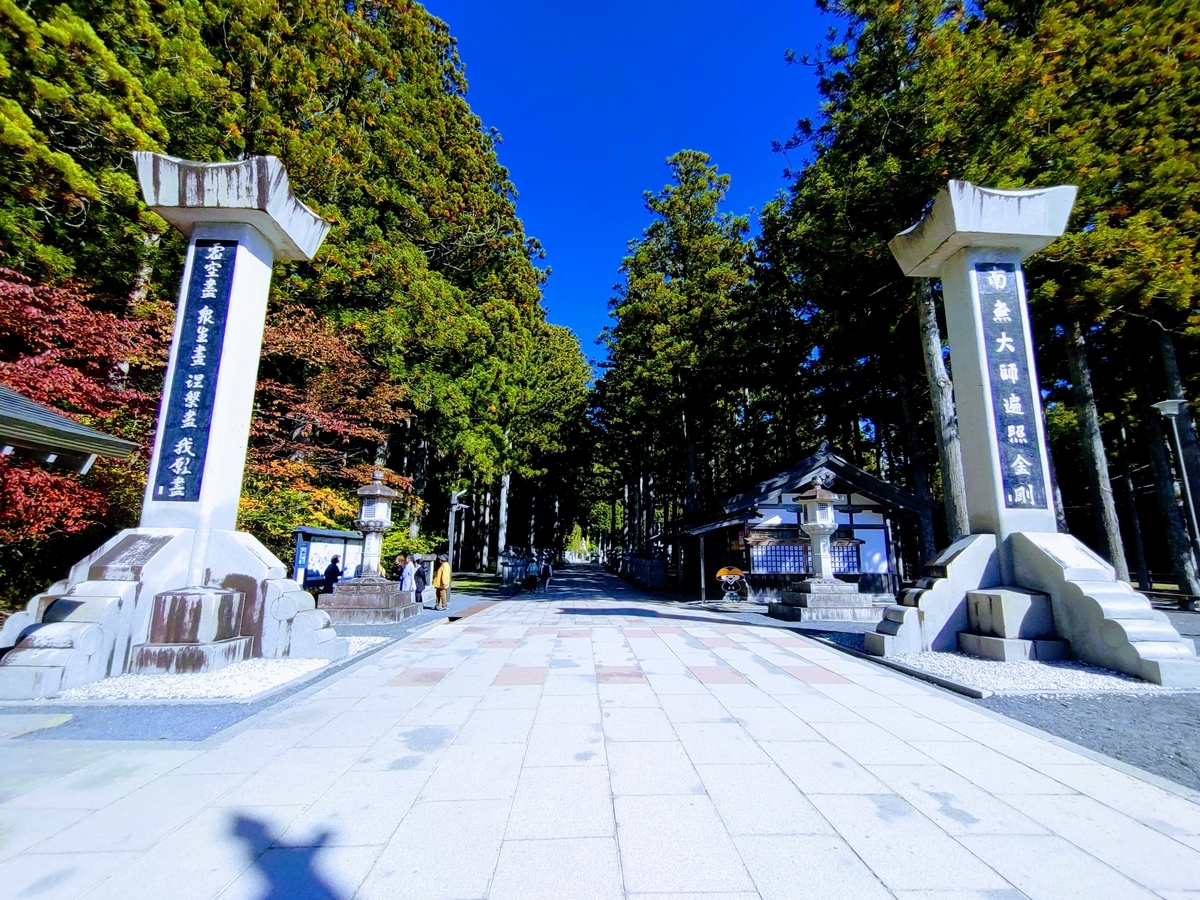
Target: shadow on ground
x,y
289,871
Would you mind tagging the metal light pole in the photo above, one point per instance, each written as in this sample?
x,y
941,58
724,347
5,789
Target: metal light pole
x,y
455,506
1171,410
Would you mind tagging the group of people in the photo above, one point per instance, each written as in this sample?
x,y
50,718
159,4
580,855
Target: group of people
x,y
412,574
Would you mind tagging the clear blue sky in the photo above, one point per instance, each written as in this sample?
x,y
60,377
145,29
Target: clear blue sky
x,y
591,98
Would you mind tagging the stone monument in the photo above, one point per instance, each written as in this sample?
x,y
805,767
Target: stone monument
x,y
975,240
368,598
185,591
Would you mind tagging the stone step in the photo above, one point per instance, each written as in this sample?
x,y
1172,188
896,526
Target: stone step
x,y
183,658
196,616
1007,649
796,598
29,682
791,613
1010,612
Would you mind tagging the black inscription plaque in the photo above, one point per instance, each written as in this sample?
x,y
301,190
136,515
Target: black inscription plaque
x,y
1011,386
204,310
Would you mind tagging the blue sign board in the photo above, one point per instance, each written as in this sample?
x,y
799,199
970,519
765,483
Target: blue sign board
x,y
204,310
1012,386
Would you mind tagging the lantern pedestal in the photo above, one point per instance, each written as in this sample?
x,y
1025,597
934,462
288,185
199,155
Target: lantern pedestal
x,y
369,600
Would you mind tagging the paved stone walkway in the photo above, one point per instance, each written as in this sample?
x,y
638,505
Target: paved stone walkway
x,y
594,746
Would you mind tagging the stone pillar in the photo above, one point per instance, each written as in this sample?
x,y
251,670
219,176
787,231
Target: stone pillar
x,y
975,239
240,218
186,591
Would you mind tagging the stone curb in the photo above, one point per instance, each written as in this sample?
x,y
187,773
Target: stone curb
x,y
965,690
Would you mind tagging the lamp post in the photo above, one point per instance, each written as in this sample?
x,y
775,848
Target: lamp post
x,y
374,518
1171,409
455,506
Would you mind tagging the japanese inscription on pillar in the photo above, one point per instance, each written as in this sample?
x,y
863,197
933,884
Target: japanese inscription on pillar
x,y
204,310
1011,386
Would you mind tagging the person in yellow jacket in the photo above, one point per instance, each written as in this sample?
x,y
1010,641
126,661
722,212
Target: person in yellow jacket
x,y
441,583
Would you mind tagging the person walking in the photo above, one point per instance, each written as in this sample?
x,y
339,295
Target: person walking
x,y
408,575
421,577
332,574
544,577
441,582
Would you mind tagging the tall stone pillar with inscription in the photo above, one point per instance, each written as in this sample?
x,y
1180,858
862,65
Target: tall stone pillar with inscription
x,y
1014,587
186,591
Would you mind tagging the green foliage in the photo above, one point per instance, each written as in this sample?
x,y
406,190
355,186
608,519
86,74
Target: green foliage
x,y
415,340
397,540
674,377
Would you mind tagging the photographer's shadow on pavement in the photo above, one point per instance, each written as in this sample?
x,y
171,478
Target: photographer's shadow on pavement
x,y
288,870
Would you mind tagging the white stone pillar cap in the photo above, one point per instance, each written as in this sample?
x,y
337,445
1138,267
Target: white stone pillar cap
x,y
964,215
254,191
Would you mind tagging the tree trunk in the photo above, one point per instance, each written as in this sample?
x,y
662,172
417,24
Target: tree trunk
x,y
920,477
487,531
1182,558
417,474
1091,441
1187,430
941,394
502,521
1132,517
625,525
1060,509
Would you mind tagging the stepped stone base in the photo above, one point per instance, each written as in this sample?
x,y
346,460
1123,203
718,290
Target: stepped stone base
x,y
193,630
369,600
1008,649
792,613
835,606
820,601
176,659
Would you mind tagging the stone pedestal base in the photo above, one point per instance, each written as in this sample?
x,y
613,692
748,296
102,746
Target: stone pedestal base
x,y
824,586
194,630
832,606
122,609
369,600
790,613
1007,623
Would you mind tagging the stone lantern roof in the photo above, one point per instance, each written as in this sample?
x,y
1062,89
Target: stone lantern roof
x,y
377,488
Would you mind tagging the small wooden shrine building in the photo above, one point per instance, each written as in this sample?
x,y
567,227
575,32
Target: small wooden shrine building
x,y
758,530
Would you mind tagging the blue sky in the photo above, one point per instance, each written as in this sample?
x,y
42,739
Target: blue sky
x,y
591,98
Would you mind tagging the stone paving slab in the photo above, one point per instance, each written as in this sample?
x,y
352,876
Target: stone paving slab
x,y
607,747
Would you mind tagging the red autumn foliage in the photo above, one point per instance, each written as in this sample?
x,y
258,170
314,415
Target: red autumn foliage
x,y
98,368
320,400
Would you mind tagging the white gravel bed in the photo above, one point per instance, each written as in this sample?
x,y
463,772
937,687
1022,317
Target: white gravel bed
x,y
240,681
359,644
1024,676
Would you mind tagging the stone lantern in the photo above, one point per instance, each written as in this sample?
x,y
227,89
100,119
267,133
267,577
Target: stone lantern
x,y
369,598
819,524
823,598
374,518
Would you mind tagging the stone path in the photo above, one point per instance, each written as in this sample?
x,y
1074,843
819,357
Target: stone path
x,y
592,745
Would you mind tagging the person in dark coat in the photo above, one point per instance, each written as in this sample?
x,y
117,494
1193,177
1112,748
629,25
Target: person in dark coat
x,y
332,574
